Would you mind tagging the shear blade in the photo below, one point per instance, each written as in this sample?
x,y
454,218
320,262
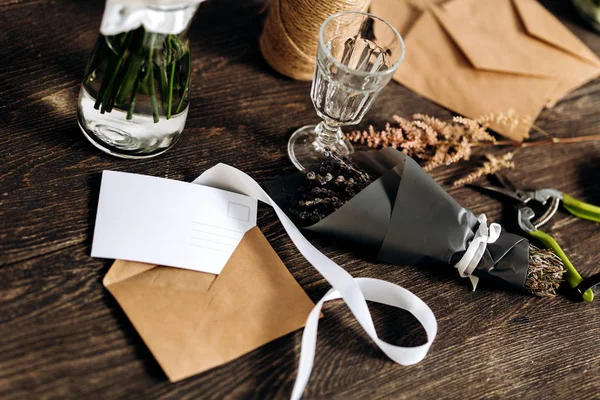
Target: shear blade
x,y
506,192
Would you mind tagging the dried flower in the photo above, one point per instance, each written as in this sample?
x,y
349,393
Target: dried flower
x,y
337,181
509,120
429,139
545,272
435,142
491,166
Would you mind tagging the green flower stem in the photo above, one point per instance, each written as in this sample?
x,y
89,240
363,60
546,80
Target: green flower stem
x,y
110,69
169,39
104,85
188,58
107,97
171,62
98,55
134,66
150,77
159,73
125,53
129,79
107,93
170,95
135,63
134,94
179,47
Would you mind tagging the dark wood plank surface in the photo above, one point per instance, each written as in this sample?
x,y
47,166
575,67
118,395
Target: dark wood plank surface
x,y
63,336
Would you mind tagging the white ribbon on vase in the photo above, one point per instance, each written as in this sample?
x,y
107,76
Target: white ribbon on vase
x,y
168,17
354,291
476,249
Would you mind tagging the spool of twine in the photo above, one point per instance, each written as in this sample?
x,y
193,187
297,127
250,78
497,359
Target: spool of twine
x,y
290,34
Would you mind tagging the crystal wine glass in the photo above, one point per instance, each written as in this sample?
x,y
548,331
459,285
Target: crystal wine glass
x,y
357,55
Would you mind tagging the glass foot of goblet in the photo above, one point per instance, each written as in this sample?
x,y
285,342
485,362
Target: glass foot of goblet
x,y
306,149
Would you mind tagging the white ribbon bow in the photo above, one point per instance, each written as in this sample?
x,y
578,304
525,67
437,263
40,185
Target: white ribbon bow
x,y
158,16
354,291
476,249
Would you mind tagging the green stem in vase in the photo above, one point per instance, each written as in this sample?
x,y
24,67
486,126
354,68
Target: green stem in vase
x,y
104,85
114,88
139,63
169,41
160,72
178,46
164,80
188,58
98,54
110,71
169,59
107,97
184,72
134,94
135,63
171,63
162,87
150,77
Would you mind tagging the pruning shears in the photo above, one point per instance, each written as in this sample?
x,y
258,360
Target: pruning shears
x,y
528,222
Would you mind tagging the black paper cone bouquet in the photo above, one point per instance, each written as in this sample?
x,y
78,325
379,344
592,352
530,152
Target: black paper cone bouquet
x,y
384,200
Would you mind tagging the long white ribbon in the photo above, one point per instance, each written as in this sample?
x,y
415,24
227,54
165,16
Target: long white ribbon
x,y
354,291
476,249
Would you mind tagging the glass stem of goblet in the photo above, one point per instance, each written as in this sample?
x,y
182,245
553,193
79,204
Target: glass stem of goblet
x,y
327,135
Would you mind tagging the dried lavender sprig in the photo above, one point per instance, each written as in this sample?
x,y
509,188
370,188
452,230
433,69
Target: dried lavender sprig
x,y
494,164
336,181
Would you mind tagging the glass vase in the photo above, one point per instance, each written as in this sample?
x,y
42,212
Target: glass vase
x,y
134,97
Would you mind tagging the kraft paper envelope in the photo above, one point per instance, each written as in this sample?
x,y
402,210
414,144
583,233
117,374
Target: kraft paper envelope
x,y
519,37
194,321
437,67
402,14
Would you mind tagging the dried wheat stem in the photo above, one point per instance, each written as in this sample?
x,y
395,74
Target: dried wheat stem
x,y
435,142
491,166
540,130
551,140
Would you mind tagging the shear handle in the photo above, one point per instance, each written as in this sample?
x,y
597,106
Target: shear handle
x,y
588,284
581,209
548,214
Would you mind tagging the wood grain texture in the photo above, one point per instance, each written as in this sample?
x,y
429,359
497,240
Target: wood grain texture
x,y
63,336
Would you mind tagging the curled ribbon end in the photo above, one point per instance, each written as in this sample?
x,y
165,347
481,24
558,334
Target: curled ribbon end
x,y
474,281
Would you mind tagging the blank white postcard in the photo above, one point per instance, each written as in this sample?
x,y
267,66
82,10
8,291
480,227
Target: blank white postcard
x,y
171,223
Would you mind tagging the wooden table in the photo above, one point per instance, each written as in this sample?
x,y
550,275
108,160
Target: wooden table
x,y
63,336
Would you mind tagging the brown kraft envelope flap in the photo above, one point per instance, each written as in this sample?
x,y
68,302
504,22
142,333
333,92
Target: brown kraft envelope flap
x,y
457,73
493,35
194,321
436,69
401,13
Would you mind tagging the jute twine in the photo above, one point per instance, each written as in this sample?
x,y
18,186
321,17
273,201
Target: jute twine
x,y
290,34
